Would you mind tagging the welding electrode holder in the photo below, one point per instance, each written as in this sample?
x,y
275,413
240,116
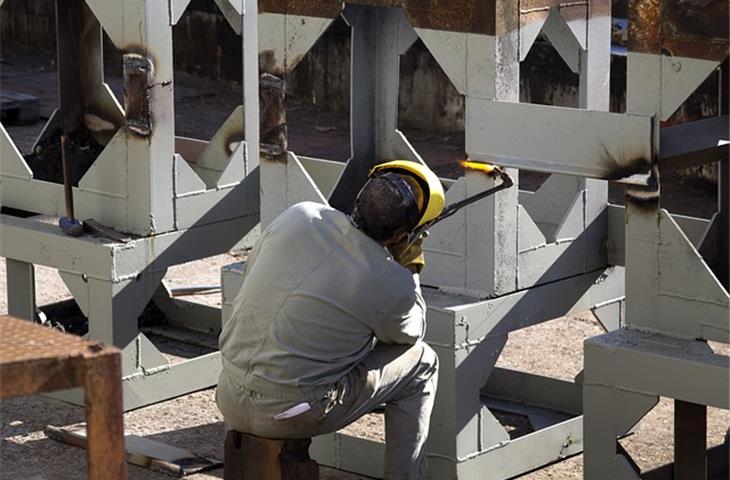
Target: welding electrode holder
x,y
507,182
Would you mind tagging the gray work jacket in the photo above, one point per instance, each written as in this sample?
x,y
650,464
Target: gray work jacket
x,y
317,293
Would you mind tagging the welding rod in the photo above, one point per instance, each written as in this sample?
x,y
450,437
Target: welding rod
x,y
507,182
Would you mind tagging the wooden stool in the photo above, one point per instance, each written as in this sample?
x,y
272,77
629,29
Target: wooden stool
x,y
248,457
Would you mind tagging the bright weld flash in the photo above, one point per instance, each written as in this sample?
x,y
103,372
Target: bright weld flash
x,y
479,167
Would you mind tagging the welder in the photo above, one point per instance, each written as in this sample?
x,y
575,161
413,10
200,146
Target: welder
x,y
330,320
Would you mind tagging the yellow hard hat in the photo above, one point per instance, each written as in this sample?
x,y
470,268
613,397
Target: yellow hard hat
x,y
431,185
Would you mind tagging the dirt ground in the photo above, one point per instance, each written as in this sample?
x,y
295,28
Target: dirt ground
x,y
193,421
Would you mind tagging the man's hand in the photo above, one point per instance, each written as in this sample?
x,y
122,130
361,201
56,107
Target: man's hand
x,y
410,256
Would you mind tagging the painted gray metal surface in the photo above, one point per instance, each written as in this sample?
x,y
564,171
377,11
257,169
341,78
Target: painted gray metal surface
x,y
565,233
514,260
484,286
467,333
179,199
137,184
20,277
676,288
602,145
626,371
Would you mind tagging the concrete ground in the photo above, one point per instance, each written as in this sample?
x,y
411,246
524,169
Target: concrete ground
x,y
193,421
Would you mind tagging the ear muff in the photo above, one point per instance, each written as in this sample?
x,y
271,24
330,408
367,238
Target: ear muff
x,y
433,191
409,197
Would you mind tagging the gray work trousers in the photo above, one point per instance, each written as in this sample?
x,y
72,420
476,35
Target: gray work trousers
x,y
404,377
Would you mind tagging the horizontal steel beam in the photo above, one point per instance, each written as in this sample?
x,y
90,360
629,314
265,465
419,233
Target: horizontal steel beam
x,y
633,361
36,242
693,136
694,143
160,384
571,141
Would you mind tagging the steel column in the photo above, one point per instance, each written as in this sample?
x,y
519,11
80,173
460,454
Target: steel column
x,y
20,277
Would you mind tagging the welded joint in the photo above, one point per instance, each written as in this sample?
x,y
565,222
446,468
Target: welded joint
x,y
272,94
565,446
138,74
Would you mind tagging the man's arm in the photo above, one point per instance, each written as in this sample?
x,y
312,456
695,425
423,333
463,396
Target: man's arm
x,y
406,322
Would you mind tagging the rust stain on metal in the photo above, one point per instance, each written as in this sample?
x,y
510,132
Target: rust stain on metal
x,y
310,8
472,16
138,77
682,28
644,26
272,92
696,29
270,63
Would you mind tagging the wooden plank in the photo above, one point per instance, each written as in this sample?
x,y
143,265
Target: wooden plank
x,y
104,416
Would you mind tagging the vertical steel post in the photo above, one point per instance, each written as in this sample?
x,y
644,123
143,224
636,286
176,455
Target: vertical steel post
x,y
723,184
80,70
690,441
20,288
723,179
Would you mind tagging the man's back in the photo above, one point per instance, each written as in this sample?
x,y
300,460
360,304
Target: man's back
x,y
316,289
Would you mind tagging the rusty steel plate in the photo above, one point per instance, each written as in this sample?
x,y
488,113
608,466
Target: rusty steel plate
x,y
472,16
22,341
682,28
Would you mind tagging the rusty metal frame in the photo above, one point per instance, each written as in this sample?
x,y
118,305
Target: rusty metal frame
x,y
66,361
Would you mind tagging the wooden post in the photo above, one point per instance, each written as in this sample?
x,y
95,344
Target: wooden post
x,y
104,421
690,441
248,457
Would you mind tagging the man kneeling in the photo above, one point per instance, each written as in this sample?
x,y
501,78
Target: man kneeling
x,y
330,321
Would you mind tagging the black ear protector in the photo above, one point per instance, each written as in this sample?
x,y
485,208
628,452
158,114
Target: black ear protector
x,y
406,197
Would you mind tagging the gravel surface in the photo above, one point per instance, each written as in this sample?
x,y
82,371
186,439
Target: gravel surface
x,y
193,422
